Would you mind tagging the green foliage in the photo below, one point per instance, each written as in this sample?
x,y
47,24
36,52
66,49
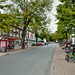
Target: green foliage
x,y
26,10
53,37
66,17
4,22
26,14
43,33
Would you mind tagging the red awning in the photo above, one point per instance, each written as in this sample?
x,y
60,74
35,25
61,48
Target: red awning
x,y
10,38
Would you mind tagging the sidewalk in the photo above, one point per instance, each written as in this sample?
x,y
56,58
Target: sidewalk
x,y
16,51
60,66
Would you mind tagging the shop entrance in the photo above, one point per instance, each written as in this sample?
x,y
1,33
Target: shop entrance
x,y
9,43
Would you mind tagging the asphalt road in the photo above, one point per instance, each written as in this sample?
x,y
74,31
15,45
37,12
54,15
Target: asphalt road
x,y
32,62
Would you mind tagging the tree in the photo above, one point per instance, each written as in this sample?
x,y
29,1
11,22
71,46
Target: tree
x,y
25,12
42,33
53,37
35,28
66,14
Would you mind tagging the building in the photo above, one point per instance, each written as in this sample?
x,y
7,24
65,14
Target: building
x,y
13,38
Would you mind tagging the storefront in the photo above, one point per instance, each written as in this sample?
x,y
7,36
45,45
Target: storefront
x,y
5,41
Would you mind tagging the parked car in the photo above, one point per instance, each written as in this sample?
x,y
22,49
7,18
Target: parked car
x,y
40,44
33,44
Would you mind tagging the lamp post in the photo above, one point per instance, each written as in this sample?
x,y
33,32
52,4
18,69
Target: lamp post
x,y
66,36
73,33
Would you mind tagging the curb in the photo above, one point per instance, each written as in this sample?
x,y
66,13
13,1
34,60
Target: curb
x,y
52,67
53,63
17,51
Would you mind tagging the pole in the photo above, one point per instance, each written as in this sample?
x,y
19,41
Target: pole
x,y
66,39
27,42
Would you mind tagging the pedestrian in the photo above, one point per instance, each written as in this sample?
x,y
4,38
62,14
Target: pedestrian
x,y
11,47
8,47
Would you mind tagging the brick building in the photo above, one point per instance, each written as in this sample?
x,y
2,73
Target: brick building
x,y
14,38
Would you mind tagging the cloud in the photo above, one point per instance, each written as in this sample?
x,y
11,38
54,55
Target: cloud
x,y
53,25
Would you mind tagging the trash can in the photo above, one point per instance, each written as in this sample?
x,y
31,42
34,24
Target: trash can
x,y
3,49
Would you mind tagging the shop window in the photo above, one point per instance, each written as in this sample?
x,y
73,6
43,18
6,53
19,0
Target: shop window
x,y
16,42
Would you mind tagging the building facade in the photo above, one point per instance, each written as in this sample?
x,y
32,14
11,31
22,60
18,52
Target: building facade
x,y
13,38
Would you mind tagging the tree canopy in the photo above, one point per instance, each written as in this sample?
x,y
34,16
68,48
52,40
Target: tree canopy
x,y
25,13
66,17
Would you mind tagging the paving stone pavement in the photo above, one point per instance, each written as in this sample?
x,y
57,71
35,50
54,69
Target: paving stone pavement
x,y
60,66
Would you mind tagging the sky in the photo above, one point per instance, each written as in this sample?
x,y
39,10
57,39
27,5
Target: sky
x,y
53,25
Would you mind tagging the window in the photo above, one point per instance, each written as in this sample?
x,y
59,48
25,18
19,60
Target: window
x,y
17,30
17,35
16,42
14,30
3,32
13,35
10,34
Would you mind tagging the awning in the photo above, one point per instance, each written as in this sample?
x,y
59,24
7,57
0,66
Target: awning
x,y
8,38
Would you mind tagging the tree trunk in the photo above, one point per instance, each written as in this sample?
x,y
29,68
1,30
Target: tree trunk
x,y
26,23
36,38
23,38
42,39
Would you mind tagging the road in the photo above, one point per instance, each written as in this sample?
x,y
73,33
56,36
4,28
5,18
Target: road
x,y
32,62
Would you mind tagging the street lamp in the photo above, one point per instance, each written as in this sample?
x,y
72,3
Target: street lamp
x,y
74,33
66,36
